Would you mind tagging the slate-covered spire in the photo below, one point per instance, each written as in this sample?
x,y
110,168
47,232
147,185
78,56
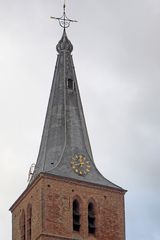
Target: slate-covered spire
x,y
65,149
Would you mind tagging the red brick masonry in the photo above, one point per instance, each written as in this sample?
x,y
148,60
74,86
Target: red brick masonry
x,y
51,198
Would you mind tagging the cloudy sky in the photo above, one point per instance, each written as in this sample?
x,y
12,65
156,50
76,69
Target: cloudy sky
x,y
117,60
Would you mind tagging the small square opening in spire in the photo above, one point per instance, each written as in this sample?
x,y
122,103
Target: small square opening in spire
x,y
70,84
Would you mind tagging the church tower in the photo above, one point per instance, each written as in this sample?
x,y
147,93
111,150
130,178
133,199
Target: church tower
x,y
67,197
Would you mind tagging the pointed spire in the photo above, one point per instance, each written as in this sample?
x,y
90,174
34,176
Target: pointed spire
x,y
65,148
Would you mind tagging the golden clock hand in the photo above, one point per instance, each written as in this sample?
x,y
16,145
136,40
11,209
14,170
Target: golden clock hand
x,y
82,163
73,163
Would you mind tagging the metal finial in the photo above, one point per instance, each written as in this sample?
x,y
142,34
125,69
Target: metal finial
x,y
64,21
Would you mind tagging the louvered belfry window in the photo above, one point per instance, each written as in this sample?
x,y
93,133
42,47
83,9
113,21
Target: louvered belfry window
x,y
76,216
29,221
91,219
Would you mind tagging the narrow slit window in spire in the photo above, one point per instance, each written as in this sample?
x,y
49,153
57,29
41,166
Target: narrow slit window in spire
x,y
70,84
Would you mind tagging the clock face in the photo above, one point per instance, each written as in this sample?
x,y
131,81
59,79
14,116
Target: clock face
x,y
80,164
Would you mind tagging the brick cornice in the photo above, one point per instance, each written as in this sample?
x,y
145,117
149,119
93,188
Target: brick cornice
x,y
64,179
83,183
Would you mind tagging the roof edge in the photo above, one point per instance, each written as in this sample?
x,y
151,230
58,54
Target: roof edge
x,y
66,179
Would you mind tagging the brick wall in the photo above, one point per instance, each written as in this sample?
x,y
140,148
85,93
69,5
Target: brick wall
x,y
52,197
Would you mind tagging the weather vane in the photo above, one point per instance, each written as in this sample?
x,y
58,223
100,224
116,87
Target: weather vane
x,y
64,21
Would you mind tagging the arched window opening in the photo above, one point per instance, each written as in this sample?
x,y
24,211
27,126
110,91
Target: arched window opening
x,y
22,226
29,221
76,216
91,219
70,84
